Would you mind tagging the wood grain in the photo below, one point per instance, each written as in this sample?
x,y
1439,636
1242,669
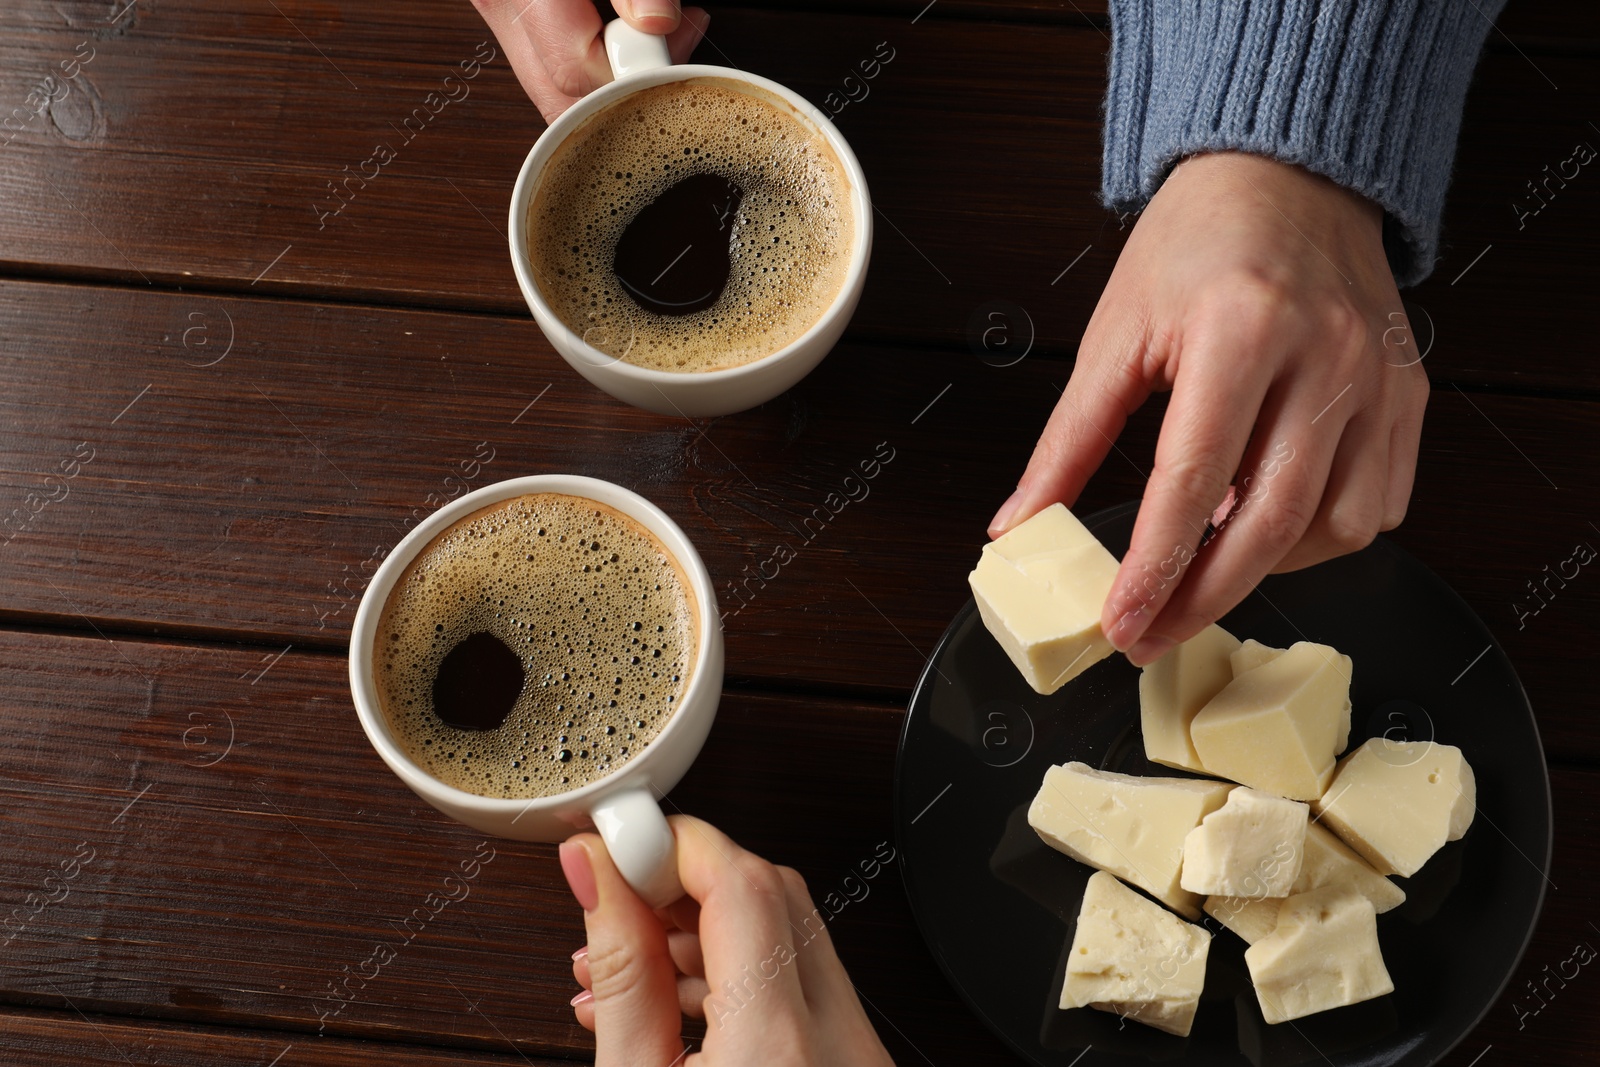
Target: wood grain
x,y
242,850
248,847
985,183
1072,12
254,497
218,412
50,1038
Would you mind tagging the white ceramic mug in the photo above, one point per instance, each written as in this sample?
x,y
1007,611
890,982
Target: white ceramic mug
x,y
624,805
639,60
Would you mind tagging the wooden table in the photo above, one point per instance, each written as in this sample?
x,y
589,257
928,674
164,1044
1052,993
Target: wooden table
x,y
252,394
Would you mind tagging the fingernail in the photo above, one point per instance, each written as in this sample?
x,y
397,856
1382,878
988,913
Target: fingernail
x,y
578,955
1002,518
655,9
1129,627
581,998
575,864
1150,649
1220,516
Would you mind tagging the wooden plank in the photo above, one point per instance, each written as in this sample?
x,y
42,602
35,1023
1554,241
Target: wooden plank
x,y
49,1038
254,497
241,851
248,847
981,141
262,181
1071,12
304,444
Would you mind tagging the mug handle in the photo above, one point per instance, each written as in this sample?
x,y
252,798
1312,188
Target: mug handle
x,y
631,50
641,845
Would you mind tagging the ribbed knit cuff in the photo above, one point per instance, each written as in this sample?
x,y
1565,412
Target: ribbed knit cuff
x,y
1365,92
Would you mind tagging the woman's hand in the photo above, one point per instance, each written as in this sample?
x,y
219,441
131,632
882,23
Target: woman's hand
x,y
557,50
745,949
1259,294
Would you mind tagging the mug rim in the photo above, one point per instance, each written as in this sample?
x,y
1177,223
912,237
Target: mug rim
x,y
607,95
363,632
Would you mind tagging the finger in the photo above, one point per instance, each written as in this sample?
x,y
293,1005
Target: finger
x,y
692,993
684,948
580,967
831,996
1104,389
1353,501
651,16
567,36
552,103
746,940
681,42
683,913
1215,400
1288,465
1230,502
583,1010
1404,441
692,988
823,978
508,19
632,979
813,946
684,944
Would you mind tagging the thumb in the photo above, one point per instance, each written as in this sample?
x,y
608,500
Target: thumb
x,y
651,16
636,1014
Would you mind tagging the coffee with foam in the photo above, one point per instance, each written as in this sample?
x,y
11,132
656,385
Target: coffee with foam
x,y
781,214
580,597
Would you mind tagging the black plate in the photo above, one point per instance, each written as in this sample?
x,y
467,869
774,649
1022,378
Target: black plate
x,y
998,907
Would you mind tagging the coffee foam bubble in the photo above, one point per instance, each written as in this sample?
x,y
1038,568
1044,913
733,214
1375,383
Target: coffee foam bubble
x,y
599,615
791,239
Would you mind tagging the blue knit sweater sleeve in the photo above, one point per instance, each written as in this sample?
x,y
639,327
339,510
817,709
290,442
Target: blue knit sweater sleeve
x,y
1366,92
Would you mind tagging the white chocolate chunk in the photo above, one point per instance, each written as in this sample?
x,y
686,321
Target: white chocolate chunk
x,y
1252,918
1039,590
1323,953
1327,861
1398,802
1132,826
1251,655
1252,846
1279,726
1174,688
1130,957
